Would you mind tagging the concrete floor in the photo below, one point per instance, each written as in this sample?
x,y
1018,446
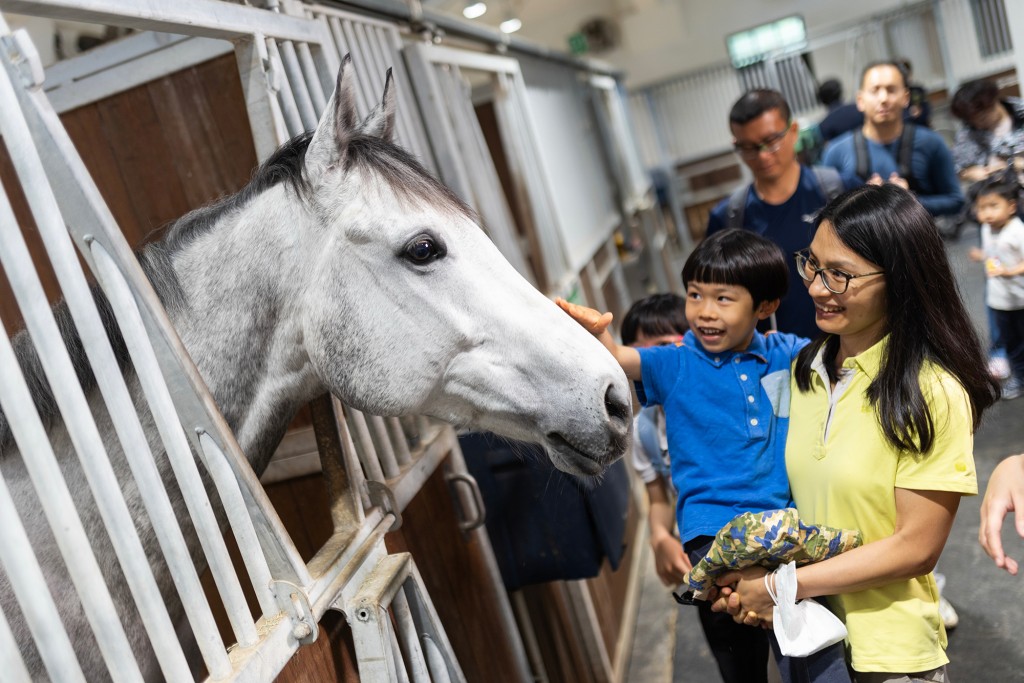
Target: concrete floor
x,y
985,646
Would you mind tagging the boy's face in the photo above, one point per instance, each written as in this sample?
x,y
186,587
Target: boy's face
x,y
994,209
723,317
643,341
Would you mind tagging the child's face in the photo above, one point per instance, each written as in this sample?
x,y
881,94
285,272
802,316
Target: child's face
x,y
722,317
643,341
994,209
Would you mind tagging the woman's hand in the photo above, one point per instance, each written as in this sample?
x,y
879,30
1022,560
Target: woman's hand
x,y
1005,494
744,596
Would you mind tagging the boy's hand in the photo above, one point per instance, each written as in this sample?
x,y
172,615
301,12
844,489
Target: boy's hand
x,y
670,561
592,320
976,254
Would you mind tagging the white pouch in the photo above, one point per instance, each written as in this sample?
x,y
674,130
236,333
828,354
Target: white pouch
x,y
805,627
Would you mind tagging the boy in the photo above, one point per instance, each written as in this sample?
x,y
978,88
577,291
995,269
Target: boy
x,y
657,320
725,391
1002,239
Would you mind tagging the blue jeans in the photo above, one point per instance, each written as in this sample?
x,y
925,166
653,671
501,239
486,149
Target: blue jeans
x,y
824,666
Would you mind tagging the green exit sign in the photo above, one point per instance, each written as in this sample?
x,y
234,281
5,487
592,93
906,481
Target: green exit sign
x,y
578,44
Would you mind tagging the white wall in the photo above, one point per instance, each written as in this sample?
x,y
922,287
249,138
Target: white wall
x,y
663,38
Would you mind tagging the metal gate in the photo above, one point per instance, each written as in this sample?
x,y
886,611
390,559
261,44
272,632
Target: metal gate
x,y
287,65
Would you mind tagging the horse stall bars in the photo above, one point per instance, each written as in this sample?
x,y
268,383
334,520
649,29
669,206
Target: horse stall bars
x,y
291,597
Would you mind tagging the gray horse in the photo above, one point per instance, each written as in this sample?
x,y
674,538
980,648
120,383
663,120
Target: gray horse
x,y
342,267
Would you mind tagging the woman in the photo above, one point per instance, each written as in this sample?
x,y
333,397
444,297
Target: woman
x,y
993,130
884,406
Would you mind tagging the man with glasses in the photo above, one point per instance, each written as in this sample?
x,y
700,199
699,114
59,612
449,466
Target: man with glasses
x,y
784,197
888,149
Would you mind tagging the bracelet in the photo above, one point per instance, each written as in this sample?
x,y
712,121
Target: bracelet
x,y
770,586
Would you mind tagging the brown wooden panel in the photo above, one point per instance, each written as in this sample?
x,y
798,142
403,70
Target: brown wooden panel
x,y
330,658
129,121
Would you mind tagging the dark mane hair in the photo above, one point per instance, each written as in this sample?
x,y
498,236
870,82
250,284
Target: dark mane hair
x,y
740,257
926,318
653,316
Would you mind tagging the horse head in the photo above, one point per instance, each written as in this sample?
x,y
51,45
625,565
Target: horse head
x,y
408,307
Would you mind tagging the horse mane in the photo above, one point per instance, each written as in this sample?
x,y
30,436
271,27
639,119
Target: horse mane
x,y
285,165
400,170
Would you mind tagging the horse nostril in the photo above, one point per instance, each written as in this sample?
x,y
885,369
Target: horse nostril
x,y
617,409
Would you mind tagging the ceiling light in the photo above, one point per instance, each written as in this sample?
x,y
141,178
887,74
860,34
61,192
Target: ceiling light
x,y
510,25
474,10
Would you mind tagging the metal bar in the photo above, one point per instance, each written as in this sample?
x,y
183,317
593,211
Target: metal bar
x,y
410,644
297,80
179,454
353,468
401,674
241,524
385,452
285,96
28,583
398,441
69,397
314,84
367,451
269,130
208,18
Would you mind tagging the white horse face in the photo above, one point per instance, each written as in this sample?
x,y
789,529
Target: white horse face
x,y
424,315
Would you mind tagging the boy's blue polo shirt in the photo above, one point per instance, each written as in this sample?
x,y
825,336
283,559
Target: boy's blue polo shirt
x,y
726,417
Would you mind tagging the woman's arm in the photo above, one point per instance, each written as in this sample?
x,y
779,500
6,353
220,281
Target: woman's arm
x,y
923,521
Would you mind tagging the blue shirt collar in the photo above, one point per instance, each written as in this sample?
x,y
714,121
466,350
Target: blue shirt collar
x,y
757,349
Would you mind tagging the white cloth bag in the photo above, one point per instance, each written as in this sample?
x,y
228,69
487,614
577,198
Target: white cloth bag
x,y
805,627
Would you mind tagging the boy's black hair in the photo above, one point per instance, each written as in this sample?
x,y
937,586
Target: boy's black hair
x,y
925,318
830,91
885,62
1003,184
654,316
755,102
973,98
740,257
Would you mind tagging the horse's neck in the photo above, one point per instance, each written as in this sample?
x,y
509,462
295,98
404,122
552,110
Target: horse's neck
x,y
241,326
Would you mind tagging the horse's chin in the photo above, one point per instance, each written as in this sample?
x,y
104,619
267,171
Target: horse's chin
x,y
572,460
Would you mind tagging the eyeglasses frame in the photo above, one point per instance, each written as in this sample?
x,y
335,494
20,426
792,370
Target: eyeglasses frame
x,y
771,145
802,254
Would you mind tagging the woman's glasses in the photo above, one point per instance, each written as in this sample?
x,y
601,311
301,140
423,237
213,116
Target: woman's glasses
x,y
835,280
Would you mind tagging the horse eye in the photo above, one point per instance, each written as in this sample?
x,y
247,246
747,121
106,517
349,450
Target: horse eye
x,y
423,249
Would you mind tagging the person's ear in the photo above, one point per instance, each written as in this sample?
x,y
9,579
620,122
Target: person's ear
x,y
860,101
766,308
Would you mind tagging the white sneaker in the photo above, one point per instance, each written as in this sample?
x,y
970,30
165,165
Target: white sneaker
x,y
999,367
948,615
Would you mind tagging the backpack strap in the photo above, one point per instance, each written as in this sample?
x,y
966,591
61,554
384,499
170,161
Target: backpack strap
x,y
736,207
829,181
905,153
862,167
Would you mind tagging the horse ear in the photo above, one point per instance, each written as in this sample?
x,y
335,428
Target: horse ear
x,y
339,120
381,121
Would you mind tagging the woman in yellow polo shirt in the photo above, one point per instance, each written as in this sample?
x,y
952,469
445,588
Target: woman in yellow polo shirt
x,y
884,406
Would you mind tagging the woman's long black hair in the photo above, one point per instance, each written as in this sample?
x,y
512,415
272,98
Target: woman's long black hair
x,y
926,317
